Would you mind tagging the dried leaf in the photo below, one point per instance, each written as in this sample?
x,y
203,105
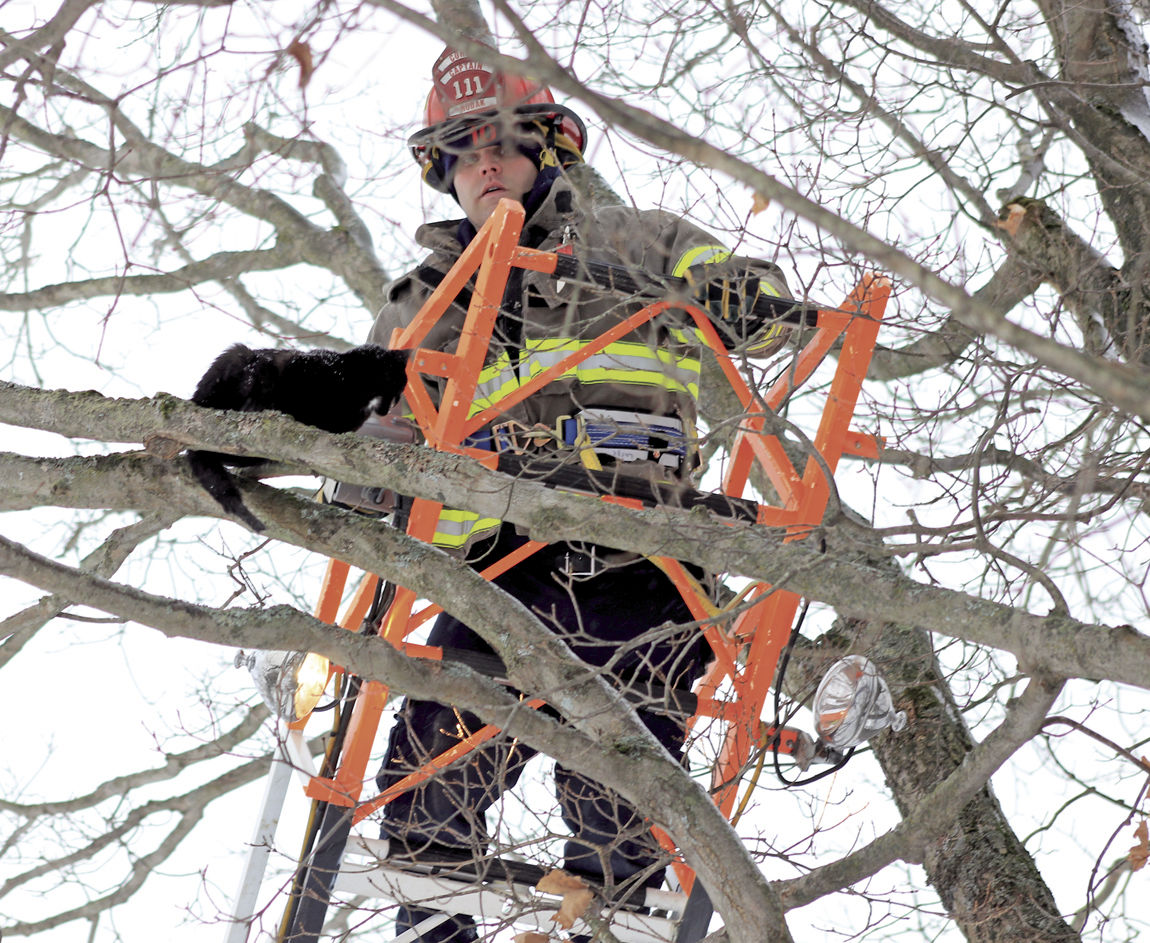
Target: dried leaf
x,y
576,896
1140,852
1011,218
759,203
301,52
531,937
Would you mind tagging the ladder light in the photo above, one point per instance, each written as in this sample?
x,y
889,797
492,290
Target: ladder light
x,y
853,703
290,683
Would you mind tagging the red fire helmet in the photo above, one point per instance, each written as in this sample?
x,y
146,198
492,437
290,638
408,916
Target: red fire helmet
x,y
471,105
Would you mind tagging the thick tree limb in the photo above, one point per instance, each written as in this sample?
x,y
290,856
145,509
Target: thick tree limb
x,y
1103,64
986,879
1090,286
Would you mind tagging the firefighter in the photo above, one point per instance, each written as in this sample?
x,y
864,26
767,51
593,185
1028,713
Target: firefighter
x,y
631,408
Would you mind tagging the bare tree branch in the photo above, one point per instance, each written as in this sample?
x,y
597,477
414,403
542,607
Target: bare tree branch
x,y
105,560
932,817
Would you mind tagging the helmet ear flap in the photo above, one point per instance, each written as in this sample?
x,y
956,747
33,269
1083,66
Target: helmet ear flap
x,y
432,168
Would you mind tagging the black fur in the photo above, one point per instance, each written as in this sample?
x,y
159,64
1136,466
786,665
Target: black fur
x,y
327,389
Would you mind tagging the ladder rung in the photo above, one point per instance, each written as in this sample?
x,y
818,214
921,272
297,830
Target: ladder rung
x,y
497,889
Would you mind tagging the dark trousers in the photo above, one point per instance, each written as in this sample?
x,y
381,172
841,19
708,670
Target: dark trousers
x,y
601,619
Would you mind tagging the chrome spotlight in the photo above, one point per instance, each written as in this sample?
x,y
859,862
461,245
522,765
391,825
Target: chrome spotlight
x,y
853,703
291,683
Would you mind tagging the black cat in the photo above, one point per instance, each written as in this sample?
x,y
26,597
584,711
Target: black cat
x,y
331,390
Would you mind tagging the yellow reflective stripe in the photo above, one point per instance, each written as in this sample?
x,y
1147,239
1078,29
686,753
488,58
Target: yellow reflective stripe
x,y
625,362
456,527
621,362
700,255
766,340
694,338
638,378
712,255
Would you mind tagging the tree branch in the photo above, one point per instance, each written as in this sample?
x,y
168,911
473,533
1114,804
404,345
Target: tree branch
x,y
218,267
189,809
174,764
49,34
105,560
935,815
1010,285
345,252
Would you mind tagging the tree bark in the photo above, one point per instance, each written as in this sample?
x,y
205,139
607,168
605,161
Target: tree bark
x,y
983,874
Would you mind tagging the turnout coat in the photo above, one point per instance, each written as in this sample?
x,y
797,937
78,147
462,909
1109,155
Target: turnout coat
x,y
649,377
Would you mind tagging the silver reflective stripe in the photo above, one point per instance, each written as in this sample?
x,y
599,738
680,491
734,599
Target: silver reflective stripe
x,y
623,362
496,380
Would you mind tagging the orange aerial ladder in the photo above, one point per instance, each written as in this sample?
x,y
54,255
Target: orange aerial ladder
x,y
746,652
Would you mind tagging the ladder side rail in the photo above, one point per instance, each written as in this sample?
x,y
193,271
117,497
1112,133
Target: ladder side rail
x,y
442,296
832,438
259,851
751,427
703,610
344,788
475,336
777,617
488,257
331,591
773,619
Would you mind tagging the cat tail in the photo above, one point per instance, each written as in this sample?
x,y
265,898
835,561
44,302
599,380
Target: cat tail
x,y
208,467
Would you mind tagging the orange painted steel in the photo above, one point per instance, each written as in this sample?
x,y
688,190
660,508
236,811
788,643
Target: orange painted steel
x,y
331,591
746,651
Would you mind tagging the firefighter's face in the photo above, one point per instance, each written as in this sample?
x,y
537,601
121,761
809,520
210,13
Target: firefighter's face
x,y
486,175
